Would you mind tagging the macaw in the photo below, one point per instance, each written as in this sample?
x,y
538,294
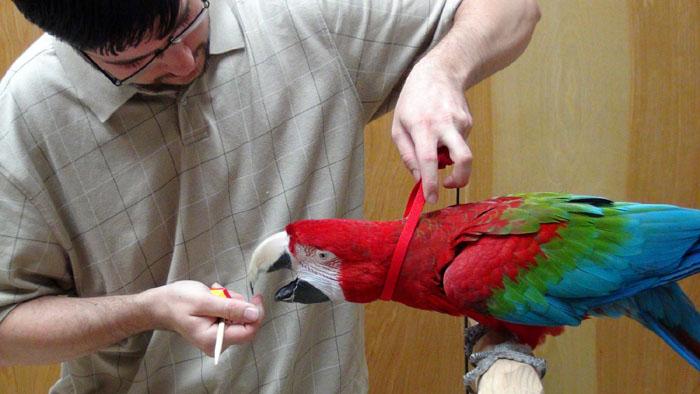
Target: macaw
x,y
526,263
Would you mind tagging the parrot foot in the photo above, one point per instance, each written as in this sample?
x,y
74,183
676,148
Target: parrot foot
x,y
482,361
472,335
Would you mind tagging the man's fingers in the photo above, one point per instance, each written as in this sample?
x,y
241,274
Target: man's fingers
x,y
404,144
235,309
234,334
426,153
257,301
237,333
242,312
232,309
462,157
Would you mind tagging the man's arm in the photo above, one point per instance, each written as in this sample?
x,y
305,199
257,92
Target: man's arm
x,y
432,111
52,329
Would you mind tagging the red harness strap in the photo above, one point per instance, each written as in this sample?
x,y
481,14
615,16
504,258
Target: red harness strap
x,y
414,207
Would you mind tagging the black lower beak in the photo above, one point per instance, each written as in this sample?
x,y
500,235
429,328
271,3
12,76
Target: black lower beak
x,y
302,292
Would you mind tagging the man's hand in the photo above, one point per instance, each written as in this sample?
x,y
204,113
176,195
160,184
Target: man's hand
x,y
190,309
51,329
432,111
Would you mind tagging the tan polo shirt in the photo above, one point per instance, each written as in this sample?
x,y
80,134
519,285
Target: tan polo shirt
x,y
111,191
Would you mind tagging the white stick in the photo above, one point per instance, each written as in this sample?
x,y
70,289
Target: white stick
x,y
219,341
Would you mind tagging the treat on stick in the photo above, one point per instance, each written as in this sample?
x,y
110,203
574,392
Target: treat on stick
x,y
221,292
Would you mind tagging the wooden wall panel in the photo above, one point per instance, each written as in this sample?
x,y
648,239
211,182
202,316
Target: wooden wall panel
x,y
605,101
561,112
28,379
664,166
15,34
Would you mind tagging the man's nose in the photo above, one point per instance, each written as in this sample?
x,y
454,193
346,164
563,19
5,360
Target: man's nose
x,y
179,59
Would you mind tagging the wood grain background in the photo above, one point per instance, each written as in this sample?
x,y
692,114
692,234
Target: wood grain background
x,y
605,101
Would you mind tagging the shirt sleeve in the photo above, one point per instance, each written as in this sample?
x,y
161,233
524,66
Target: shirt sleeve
x,y
32,263
379,41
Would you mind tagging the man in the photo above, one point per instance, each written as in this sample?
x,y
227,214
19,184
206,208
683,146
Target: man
x,y
147,149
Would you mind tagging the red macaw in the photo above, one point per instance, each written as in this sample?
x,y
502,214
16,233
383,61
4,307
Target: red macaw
x,y
528,263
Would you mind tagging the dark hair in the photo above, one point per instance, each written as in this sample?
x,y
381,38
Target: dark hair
x,y
108,26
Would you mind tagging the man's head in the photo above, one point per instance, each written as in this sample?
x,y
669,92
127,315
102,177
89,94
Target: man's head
x,y
125,38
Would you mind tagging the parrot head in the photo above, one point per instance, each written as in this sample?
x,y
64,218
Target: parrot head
x,y
333,259
317,270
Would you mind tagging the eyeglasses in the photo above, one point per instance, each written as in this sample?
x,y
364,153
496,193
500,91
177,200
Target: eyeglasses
x,y
176,39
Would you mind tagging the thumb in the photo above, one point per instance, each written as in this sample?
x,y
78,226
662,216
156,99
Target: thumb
x,y
233,309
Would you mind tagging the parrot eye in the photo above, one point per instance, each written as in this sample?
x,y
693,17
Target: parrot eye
x,y
323,256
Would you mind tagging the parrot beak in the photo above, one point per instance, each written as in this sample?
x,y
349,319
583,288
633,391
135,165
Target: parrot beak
x,y
271,255
302,292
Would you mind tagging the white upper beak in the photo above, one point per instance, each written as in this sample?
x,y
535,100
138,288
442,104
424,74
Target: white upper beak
x,y
267,256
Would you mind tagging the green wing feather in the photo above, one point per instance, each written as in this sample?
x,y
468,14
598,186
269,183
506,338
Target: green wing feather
x,y
600,250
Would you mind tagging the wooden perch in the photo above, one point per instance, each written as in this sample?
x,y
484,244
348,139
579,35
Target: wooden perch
x,y
504,376
510,377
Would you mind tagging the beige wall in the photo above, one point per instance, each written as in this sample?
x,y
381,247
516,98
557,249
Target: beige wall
x,y
606,100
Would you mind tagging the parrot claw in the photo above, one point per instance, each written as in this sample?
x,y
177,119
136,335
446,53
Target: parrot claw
x,y
472,335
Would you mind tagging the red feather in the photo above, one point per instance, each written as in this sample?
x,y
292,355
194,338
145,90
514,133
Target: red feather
x,y
365,249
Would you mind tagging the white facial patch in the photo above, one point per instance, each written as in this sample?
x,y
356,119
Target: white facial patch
x,y
321,270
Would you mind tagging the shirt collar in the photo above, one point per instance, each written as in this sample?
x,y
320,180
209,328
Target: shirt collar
x,y
103,98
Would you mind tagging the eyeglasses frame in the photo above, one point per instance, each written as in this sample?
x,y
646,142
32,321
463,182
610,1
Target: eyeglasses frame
x,y
176,39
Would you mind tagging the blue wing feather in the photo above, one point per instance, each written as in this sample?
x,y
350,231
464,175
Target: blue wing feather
x,y
628,266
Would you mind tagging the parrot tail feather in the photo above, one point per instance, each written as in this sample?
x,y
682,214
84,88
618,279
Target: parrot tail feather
x,y
690,343
682,342
670,314
693,253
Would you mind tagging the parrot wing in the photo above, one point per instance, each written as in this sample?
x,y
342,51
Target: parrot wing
x,y
548,259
